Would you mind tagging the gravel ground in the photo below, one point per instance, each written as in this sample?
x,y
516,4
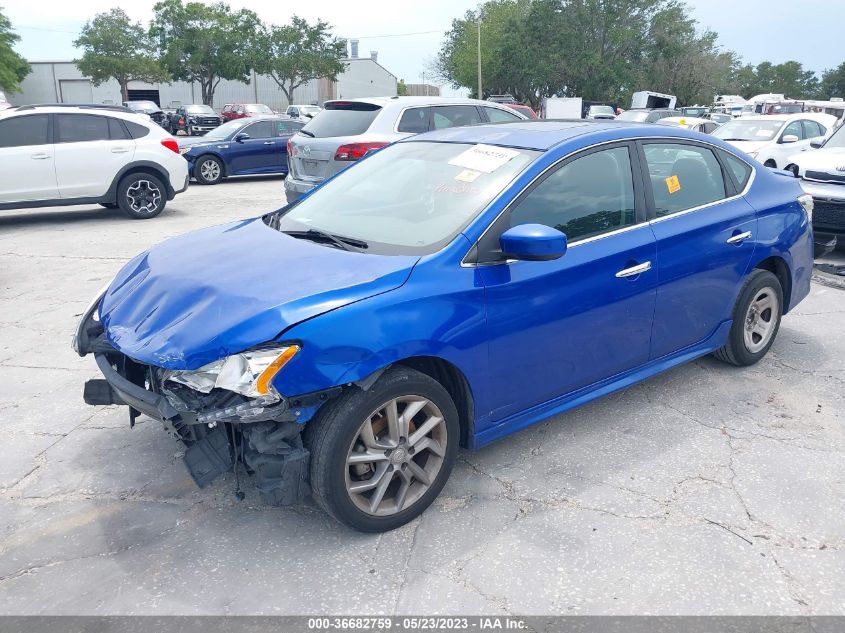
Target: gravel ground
x,y
706,490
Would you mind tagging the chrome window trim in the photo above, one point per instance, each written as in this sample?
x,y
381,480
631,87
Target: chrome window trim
x,y
466,264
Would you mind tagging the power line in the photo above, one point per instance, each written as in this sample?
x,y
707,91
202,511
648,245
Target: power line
x,y
378,37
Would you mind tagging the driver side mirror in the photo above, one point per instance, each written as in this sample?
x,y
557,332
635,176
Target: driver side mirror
x,y
533,242
240,137
817,142
789,138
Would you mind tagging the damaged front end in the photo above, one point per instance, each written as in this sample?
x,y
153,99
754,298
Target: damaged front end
x,y
225,413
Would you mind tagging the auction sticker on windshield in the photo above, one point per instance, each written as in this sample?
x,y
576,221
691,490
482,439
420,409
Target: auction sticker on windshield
x,y
486,158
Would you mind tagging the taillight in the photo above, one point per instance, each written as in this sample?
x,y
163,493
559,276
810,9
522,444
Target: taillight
x,y
171,144
354,151
181,121
290,148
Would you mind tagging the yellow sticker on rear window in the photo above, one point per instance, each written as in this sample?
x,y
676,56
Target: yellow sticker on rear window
x,y
673,184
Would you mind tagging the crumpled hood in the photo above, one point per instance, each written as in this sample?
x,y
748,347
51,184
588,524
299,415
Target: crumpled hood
x,y
202,296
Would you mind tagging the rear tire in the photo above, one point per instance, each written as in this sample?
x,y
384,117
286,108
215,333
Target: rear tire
x,y
371,468
141,196
208,170
756,320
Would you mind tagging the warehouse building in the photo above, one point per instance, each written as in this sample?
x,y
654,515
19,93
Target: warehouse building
x,y
62,82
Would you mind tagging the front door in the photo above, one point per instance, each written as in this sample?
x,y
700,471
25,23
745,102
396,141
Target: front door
x,y
259,153
558,326
705,238
27,157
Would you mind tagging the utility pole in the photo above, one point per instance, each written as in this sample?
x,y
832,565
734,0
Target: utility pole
x,y
479,56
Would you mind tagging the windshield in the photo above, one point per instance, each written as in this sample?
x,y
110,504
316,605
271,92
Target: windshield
x,y
143,106
311,109
409,198
694,112
222,131
837,139
602,109
638,116
748,130
199,109
259,108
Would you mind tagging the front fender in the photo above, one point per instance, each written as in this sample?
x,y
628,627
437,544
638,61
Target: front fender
x,y
434,314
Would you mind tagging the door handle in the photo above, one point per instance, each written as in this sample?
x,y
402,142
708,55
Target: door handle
x,y
633,271
739,238
269,142
40,156
119,150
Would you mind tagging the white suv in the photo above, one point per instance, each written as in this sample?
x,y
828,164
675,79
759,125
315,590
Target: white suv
x,y
347,129
56,155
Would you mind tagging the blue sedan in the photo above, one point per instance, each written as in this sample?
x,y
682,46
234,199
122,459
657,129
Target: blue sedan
x,y
243,147
449,289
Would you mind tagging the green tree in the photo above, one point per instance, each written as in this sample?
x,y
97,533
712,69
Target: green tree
x,y
401,88
13,67
205,42
298,52
116,48
833,82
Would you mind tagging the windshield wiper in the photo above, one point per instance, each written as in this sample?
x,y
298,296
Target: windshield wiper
x,y
307,133
736,139
343,243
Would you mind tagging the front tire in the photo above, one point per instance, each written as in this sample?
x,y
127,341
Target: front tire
x,y
756,320
208,170
380,457
141,196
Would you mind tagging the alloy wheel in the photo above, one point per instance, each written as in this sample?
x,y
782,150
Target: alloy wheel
x,y
143,196
396,455
210,170
761,319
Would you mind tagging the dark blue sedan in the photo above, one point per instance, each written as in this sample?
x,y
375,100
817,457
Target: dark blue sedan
x,y
243,147
449,289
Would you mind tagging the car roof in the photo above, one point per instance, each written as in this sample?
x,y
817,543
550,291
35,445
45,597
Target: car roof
x,y
420,101
537,135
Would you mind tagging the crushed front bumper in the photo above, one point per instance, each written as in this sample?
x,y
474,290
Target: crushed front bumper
x,y
219,430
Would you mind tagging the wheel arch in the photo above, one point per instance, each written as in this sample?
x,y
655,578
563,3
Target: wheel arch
x,y
777,265
453,380
140,167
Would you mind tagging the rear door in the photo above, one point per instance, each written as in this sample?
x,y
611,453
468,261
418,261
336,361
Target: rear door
x,y
90,151
257,154
27,157
705,236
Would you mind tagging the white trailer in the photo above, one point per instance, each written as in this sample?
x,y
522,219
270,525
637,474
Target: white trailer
x,y
562,107
648,99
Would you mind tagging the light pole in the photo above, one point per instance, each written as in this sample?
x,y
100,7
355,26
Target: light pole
x,y
479,56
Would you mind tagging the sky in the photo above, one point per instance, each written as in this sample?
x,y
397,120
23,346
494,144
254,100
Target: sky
x,y
407,35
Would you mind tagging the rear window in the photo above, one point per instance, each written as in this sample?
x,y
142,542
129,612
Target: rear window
x,y
342,119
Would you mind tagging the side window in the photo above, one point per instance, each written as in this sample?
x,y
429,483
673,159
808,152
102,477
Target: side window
x,y
793,128
497,115
454,116
136,130
22,131
739,168
284,128
414,121
79,128
813,129
262,129
683,176
116,131
588,196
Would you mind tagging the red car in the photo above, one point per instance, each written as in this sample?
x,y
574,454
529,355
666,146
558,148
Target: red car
x,y
523,109
242,110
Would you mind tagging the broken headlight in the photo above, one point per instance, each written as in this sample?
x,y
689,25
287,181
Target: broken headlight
x,y
248,373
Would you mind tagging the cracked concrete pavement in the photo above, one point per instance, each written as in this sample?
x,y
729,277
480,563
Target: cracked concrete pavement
x,y
706,490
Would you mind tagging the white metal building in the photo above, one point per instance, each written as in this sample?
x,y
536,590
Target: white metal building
x,y
62,82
